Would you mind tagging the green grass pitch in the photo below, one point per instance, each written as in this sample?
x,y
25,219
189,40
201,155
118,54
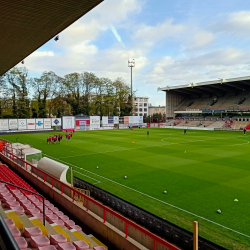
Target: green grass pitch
x,y
202,171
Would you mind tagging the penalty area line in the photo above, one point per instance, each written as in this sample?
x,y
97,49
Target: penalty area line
x,y
183,210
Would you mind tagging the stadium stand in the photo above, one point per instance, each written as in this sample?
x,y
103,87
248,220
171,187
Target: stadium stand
x,y
212,104
23,215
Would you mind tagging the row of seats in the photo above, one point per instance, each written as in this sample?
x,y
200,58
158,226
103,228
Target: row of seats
x,y
23,212
221,103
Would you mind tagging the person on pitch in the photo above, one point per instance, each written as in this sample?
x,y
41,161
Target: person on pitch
x,y
147,133
185,131
245,131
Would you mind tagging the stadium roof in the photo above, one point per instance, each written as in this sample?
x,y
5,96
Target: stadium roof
x,y
220,85
25,25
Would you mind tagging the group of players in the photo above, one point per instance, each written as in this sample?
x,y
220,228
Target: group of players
x,y
58,138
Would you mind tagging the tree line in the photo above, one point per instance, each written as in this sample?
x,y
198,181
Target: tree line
x,y
49,95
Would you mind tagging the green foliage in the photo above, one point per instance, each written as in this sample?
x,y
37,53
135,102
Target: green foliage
x,y
75,93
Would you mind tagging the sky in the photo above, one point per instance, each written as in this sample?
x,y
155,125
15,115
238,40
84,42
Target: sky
x,y
172,43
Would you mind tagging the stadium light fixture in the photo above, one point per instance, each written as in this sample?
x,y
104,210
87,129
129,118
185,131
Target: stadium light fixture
x,y
22,62
56,38
131,65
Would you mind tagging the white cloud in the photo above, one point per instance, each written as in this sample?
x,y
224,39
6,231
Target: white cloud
x,y
237,23
200,40
151,34
42,53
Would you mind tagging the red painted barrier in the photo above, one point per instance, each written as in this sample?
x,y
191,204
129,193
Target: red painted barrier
x,y
127,222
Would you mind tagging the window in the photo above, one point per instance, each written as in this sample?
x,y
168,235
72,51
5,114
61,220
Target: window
x,y
145,100
145,110
135,99
140,109
140,104
145,104
140,114
141,100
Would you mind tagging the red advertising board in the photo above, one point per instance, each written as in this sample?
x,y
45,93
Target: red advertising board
x,y
82,122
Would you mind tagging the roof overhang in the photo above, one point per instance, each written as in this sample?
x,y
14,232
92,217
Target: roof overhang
x,y
220,85
25,25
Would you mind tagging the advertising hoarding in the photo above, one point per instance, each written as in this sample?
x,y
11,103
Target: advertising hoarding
x,y
22,124
39,123
47,123
13,124
56,122
31,124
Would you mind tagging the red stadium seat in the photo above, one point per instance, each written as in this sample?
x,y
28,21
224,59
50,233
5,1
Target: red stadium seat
x,y
69,223
58,222
28,206
50,247
57,238
12,204
76,227
8,198
21,242
15,232
54,209
39,241
51,217
58,213
31,211
66,246
64,217
32,231
47,211
25,202
80,245
10,223
39,216
18,210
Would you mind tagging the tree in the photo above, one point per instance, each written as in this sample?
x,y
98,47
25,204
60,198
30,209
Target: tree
x,y
45,87
87,81
123,97
73,86
18,85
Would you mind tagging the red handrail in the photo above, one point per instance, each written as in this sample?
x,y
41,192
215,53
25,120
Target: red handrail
x,y
105,209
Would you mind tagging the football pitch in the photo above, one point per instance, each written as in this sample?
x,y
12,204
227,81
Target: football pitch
x,y
202,171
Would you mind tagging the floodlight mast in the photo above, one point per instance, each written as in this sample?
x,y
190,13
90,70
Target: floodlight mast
x,y
131,64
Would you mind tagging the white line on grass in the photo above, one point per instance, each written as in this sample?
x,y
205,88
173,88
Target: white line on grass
x,y
88,177
230,229
165,143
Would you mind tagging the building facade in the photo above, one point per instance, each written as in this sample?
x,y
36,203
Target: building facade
x,y
140,106
156,110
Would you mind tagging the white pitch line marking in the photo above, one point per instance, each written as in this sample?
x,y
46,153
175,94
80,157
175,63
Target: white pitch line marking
x,y
230,229
87,176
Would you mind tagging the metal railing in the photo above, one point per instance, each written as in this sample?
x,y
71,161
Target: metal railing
x,y
8,183
127,222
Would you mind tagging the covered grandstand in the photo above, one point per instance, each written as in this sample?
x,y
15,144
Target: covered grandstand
x,y
220,103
